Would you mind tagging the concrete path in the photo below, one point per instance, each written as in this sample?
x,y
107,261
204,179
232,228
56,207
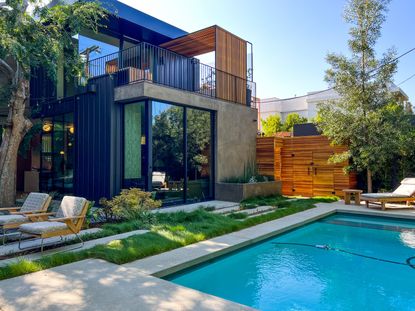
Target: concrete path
x,y
96,285
99,285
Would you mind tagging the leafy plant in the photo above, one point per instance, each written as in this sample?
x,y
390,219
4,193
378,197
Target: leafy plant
x,y
134,204
90,216
250,175
271,125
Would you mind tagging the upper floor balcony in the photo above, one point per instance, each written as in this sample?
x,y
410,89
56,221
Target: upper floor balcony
x,y
159,65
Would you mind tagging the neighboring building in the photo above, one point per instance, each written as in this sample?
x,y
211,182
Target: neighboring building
x,y
306,106
150,114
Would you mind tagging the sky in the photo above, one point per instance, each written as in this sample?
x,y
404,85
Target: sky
x,y
291,38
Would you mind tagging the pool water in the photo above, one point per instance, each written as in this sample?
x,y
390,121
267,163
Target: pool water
x,y
270,276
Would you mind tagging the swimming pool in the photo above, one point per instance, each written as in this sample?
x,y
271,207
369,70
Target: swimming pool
x,y
274,276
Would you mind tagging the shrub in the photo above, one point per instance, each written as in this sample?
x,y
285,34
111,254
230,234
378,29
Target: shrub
x,y
133,204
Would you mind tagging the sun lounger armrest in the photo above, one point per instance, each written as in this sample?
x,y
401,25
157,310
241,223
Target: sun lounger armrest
x,y
27,213
64,219
39,216
9,209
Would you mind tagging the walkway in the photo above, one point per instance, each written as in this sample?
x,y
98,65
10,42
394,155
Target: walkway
x,y
99,285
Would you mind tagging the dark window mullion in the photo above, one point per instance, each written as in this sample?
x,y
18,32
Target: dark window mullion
x,y
185,153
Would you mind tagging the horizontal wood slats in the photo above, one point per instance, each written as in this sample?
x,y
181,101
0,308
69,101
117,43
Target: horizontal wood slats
x,y
302,164
196,43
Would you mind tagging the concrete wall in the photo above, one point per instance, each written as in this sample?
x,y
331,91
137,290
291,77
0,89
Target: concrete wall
x,y
236,125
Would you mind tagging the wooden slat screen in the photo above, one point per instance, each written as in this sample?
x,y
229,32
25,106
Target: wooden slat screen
x,y
301,163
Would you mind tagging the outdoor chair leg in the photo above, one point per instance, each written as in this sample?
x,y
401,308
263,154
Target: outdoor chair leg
x,y
20,241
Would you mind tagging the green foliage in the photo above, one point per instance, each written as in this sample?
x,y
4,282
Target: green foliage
x,y
237,215
272,125
291,119
133,204
172,231
42,38
367,118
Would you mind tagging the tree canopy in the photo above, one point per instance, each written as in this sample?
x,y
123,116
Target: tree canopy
x,y
367,118
33,35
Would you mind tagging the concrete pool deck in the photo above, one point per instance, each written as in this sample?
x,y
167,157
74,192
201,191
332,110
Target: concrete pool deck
x,y
99,285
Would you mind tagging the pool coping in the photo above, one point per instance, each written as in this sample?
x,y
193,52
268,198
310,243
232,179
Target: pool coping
x,y
183,258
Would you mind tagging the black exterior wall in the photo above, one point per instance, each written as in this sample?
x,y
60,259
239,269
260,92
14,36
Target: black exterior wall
x,y
97,156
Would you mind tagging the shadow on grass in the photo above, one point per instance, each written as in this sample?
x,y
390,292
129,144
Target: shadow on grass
x,y
172,231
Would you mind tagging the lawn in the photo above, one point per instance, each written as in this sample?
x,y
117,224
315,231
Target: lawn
x,y
172,230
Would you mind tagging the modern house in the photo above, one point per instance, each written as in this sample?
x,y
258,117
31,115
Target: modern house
x,y
147,114
306,106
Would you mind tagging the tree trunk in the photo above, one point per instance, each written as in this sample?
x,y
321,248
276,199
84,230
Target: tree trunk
x,y
16,127
369,181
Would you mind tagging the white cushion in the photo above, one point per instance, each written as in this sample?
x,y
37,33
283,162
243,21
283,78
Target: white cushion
x,y
408,181
70,207
42,227
12,219
405,189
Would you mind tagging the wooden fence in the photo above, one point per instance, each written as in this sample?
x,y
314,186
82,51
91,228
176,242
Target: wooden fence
x,y
302,164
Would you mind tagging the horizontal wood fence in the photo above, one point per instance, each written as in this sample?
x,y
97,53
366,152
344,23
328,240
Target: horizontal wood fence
x,y
302,164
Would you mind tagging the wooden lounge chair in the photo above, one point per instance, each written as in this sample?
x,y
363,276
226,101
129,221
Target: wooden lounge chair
x,y
15,216
67,220
404,193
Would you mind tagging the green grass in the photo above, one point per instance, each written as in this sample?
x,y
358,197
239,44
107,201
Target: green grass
x,y
172,231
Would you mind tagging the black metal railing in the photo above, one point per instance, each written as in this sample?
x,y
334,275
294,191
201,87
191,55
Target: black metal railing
x,y
161,66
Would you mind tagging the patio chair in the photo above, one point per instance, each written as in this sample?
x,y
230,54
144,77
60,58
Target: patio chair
x,y
67,220
404,193
15,216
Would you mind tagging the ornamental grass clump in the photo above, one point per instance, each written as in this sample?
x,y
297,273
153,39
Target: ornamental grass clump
x,y
134,204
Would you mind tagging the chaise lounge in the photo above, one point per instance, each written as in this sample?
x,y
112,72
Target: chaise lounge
x,y
67,220
404,193
15,216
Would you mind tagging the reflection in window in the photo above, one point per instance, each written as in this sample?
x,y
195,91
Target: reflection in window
x,y
168,160
58,139
199,163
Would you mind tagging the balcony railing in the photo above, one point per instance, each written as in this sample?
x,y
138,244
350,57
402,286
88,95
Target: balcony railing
x,y
146,62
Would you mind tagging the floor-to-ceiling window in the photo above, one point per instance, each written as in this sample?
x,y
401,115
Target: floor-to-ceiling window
x,y
57,154
135,146
168,150
199,155
168,176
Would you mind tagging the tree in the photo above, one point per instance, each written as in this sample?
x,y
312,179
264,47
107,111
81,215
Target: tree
x,y
271,125
361,118
291,119
33,36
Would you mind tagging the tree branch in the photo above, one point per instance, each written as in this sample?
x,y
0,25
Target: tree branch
x,y
6,67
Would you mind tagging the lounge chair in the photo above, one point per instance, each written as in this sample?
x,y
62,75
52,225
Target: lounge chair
x,y
67,220
404,193
15,216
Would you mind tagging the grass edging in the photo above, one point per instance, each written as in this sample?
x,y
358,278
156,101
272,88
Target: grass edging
x,y
173,231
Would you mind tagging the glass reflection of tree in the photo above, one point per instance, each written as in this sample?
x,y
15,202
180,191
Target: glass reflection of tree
x,y
168,142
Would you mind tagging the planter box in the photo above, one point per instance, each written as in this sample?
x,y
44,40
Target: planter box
x,y
235,192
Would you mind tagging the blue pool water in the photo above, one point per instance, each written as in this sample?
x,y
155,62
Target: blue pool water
x,y
269,276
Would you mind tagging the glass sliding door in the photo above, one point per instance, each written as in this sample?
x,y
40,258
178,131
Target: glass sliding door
x,y
135,146
168,175
57,154
199,155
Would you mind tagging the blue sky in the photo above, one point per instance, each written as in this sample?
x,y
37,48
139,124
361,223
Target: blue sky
x,y
291,38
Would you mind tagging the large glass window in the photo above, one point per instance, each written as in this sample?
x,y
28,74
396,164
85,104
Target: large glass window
x,y
199,155
135,146
57,156
167,152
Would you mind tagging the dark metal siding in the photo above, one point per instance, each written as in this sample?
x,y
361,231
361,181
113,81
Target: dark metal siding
x,y
96,121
